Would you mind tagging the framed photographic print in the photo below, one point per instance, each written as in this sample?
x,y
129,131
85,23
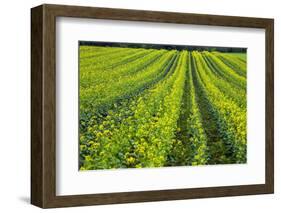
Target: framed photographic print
x,y
135,106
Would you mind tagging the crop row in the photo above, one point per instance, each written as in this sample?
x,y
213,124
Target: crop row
x,y
154,108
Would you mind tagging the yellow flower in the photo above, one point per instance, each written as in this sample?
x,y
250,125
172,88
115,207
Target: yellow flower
x,y
130,160
99,134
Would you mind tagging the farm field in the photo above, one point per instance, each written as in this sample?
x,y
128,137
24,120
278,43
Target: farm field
x,y
145,107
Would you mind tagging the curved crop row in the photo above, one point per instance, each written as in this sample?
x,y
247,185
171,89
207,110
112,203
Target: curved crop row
x,y
100,59
153,108
241,56
196,133
144,138
216,146
226,88
94,52
99,97
226,71
83,50
190,146
232,119
93,116
234,63
98,75
114,60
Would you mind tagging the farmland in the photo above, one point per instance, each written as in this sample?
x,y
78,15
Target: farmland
x,y
144,107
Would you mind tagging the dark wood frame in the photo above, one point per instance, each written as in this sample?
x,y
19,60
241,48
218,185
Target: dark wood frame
x,y
43,105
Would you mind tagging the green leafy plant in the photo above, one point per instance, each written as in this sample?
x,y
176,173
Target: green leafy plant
x,y
153,108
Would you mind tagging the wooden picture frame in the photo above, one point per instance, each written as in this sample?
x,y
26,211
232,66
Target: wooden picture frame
x,y
43,105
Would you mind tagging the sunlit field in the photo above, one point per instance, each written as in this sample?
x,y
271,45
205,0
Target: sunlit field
x,y
145,107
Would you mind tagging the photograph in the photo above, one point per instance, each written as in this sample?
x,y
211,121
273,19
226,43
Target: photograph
x,y
161,105
138,105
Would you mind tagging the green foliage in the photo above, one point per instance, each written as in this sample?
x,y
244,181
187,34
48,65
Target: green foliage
x,y
226,72
228,89
143,108
238,65
240,56
231,117
197,136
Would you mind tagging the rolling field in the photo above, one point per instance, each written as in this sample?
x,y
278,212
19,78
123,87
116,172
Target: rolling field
x,y
155,108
